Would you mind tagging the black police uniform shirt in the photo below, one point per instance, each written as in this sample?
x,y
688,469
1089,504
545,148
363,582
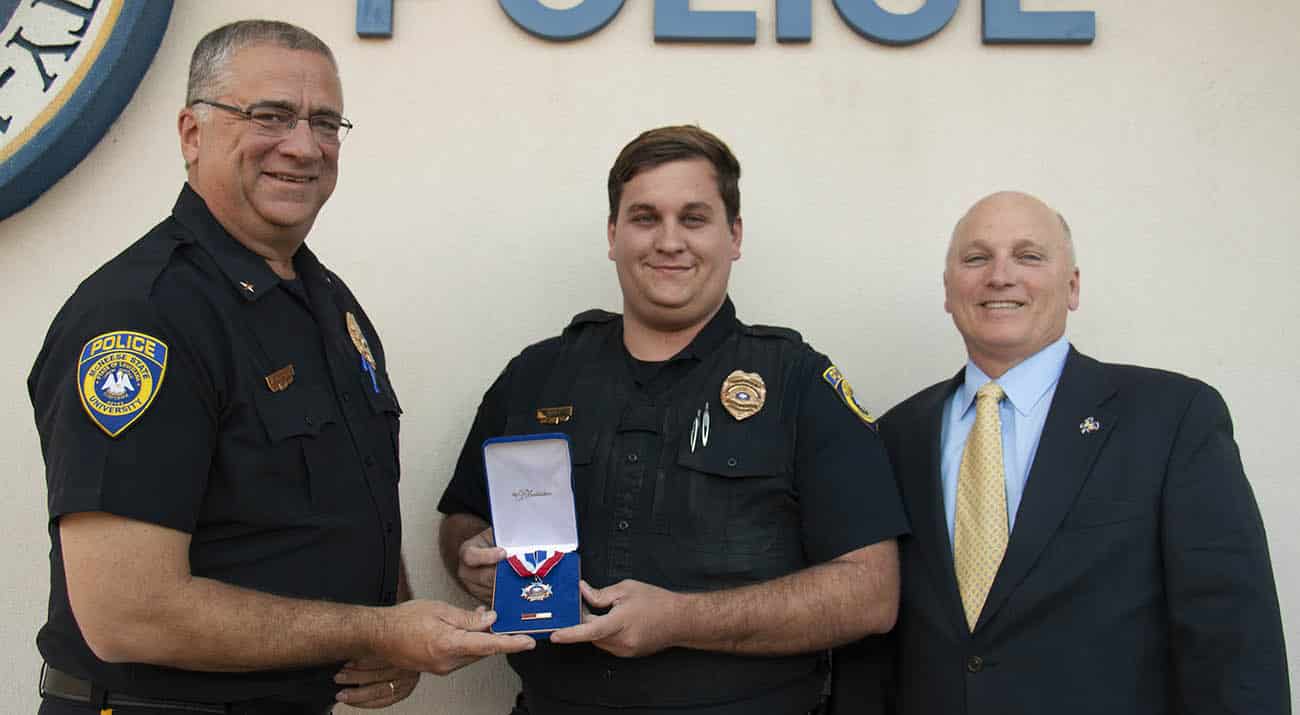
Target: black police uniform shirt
x,y
673,490
287,485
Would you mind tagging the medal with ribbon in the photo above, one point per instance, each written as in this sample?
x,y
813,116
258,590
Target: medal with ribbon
x,y
536,563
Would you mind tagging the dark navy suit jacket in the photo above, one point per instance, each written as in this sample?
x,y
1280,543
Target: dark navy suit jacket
x,y
1136,580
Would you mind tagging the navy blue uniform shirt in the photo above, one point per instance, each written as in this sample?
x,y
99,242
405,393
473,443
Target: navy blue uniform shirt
x,y
287,485
675,491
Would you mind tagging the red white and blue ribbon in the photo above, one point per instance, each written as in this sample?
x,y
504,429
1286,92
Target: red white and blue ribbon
x,y
535,563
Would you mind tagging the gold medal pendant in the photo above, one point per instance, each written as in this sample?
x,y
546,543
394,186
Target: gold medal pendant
x,y
743,394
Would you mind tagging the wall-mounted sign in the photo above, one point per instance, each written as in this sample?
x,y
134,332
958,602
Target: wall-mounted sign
x,y
1005,22
67,68
674,21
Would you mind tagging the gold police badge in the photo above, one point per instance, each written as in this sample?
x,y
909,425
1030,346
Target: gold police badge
x,y
359,340
743,394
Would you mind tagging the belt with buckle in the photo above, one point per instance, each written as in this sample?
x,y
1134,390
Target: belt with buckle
x,y
57,684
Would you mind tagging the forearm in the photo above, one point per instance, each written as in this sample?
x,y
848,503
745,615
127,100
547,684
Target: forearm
x,y
819,607
134,599
208,625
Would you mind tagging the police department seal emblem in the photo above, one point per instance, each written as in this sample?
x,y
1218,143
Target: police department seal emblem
x,y
67,69
118,376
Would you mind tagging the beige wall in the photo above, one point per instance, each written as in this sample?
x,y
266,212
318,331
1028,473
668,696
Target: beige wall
x,y
469,216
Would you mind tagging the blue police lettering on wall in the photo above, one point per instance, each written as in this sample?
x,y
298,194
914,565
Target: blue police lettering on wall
x,y
67,68
674,21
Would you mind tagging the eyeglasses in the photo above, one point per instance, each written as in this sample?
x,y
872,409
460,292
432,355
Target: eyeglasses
x,y
277,122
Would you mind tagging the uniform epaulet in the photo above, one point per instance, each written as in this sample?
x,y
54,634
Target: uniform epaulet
x,y
592,316
147,258
772,331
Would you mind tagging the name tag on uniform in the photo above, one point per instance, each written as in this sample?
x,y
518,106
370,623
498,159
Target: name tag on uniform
x,y
281,379
554,415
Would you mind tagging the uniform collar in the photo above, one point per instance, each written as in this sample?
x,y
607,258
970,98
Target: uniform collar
x,y
248,273
719,328
1025,384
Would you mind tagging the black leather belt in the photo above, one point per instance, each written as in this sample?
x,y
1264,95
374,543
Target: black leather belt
x,y
58,684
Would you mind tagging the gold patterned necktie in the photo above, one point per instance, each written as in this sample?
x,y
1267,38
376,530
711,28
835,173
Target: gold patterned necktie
x,y
979,531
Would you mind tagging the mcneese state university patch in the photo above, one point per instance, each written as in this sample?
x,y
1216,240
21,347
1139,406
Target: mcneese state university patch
x,y
835,379
118,376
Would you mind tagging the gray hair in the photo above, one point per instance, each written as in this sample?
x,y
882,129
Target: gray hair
x,y
1068,235
210,63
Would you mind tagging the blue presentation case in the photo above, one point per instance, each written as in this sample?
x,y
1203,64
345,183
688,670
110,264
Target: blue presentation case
x,y
530,486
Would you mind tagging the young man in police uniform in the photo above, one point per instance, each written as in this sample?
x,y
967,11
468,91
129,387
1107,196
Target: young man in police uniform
x,y
737,513
220,435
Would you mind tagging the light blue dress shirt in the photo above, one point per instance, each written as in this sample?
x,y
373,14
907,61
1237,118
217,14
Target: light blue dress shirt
x,y
1029,388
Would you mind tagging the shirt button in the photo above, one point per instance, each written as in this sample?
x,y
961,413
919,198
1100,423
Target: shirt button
x,y
388,527
623,525
732,461
975,664
608,674
347,397
369,461
309,421
632,457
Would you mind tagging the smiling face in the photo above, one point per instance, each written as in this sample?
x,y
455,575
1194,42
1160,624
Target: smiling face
x,y
672,246
1010,280
264,190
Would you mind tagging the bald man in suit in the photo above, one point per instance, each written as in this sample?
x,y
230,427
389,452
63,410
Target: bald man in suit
x,y
1085,540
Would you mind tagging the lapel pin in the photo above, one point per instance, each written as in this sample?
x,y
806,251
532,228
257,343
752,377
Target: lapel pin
x,y
247,286
1088,426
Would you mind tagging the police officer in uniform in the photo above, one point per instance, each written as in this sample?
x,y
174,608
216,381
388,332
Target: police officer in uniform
x,y
220,435
737,513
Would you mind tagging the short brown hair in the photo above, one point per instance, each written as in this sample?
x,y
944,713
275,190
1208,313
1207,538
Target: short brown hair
x,y
678,143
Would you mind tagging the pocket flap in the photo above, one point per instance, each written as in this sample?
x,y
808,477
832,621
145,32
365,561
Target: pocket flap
x,y
299,411
385,399
737,452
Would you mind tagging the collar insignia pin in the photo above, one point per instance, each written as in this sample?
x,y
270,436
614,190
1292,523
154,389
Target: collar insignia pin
x,y
1089,426
247,286
743,394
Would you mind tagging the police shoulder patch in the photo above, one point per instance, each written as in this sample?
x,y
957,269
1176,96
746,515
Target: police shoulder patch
x,y
118,376
835,379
